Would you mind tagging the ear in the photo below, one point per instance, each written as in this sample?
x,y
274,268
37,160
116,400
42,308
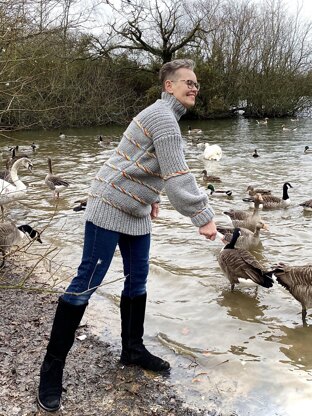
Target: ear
x,y
168,86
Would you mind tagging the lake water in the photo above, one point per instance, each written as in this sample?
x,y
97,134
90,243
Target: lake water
x,y
240,353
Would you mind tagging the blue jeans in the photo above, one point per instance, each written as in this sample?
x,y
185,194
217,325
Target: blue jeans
x,y
98,251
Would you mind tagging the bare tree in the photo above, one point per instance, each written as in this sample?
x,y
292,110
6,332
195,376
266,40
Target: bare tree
x,y
158,30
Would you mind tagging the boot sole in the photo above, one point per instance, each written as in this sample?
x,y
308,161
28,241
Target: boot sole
x,y
47,409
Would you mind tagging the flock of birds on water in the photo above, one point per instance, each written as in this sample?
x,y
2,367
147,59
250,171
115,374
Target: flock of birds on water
x,y
236,260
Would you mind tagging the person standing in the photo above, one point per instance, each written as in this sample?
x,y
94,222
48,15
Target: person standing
x,y
123,199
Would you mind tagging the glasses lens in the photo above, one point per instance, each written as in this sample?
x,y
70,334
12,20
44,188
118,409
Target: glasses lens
x,y
192,84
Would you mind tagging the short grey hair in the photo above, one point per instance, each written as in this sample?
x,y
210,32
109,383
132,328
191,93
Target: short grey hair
x,y
168,70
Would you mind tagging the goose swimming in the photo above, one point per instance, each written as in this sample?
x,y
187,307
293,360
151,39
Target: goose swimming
x,y
240,266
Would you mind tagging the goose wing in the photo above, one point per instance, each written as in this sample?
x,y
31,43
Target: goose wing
x,y
9,233
239,263
52,181
297,280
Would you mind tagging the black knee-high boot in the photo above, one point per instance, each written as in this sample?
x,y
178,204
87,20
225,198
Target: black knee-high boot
x,y
132,328
66,321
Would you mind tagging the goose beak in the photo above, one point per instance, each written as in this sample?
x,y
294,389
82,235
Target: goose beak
x,y
265,227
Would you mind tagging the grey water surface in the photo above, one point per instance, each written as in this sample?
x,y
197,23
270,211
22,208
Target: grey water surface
x,y
240,353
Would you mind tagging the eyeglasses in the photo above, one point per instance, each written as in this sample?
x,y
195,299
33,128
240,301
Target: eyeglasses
x,y
191,84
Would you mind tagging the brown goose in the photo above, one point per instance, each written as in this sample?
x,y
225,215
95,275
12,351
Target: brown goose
x,y
248,240
246,219
241,266
307,205
210,178
271,201
55,183
298,281
11,235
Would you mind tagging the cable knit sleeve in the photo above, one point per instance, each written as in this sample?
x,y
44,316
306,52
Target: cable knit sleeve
x,y
180,184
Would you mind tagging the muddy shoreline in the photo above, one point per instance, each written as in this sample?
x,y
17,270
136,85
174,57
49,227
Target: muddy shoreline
x,y
95,382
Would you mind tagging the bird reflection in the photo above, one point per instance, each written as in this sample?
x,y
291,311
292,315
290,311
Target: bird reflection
x,y
296,346
242,305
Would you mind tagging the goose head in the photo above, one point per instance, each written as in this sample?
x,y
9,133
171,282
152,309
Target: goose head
x,y
33,234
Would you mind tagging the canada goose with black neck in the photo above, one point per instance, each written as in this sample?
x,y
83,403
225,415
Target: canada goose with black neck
x,y
240,266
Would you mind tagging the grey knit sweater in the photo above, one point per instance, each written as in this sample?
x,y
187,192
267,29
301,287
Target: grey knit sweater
x,y
148,159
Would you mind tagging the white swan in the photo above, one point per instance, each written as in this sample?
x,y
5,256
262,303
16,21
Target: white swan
x,y
16,190
213,152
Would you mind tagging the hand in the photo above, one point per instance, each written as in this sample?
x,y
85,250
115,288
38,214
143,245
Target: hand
x,y
208,230
155,210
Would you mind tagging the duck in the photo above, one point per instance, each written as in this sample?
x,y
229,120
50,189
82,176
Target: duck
x,y
17,189
255,154
194,131
263,122
307,205
62,136
307,150
54,182
218,192
82,205
253,191
240,266
246,219
11,235
25,150
212,152
210,178
271,201
298,281
248,240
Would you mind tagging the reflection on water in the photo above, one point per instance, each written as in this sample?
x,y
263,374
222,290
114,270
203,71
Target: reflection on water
x,y
249,352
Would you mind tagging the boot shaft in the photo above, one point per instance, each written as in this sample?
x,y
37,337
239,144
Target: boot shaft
x,y
132,312
66,321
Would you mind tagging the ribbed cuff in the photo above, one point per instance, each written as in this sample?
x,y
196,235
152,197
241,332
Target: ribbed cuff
x,y
203,217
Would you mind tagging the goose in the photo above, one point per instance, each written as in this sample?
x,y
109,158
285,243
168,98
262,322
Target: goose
x,y
218,192
55,183
210,178
16,190
298,281
25,150
240,266
62,136
253,191
100,142
271,201
263,122
194,131
11,235
307,150
82,205
255,154
287,128
307,205
246,219
248,240
212,152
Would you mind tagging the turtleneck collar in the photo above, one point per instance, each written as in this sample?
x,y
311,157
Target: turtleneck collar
x,y
177,108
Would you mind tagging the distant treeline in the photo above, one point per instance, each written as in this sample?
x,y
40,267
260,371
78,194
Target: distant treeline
x,y
53,74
